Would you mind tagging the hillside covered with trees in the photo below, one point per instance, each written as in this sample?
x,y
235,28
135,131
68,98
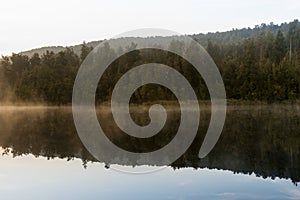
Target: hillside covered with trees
x,y
262,63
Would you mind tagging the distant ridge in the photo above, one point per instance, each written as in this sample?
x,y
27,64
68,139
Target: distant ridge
x,y
56,49
232,36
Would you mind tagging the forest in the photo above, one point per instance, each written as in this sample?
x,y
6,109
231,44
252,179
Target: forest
x,y
258,64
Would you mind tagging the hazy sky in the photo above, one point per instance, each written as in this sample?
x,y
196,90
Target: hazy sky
x,y
34,23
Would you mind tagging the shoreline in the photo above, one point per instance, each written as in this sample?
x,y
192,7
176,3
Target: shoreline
x,y
230,102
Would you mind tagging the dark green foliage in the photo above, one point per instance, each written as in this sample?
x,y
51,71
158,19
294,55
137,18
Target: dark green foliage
x,y
85,50
256,64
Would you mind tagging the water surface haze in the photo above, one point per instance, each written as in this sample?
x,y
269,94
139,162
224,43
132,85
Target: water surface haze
x,y
259,148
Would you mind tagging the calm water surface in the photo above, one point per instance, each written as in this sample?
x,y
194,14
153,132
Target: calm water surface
x,y
257,157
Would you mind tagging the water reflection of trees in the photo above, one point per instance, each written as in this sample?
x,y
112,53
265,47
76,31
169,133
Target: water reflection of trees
x,y
47,132
262,141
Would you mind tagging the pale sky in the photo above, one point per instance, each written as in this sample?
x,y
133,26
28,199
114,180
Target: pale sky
x,y
29,24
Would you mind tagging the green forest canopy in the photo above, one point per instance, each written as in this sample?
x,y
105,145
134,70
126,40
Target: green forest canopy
x,y
262,63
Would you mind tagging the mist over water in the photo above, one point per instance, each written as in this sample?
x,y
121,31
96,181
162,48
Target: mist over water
x,y
262,140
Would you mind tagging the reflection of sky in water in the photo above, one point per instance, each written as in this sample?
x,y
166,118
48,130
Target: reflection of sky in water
x,y
37,178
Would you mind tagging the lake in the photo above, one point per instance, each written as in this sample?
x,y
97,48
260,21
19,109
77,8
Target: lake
x,y
256,157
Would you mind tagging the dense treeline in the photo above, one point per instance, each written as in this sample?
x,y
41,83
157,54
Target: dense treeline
x,y
237,35
265,66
